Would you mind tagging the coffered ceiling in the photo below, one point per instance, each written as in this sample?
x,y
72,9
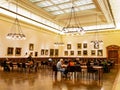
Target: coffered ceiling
x,y
88,12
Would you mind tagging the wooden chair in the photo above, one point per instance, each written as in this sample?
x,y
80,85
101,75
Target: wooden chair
x,y
91,71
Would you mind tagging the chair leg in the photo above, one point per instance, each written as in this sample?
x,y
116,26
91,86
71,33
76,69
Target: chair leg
x,y
88,75
55,73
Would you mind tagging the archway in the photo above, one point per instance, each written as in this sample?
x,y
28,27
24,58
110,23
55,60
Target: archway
x,y
113,53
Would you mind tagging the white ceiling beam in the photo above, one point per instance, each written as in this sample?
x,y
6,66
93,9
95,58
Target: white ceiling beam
x,y
105,9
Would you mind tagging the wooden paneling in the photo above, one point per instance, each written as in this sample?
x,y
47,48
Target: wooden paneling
x,y
85,59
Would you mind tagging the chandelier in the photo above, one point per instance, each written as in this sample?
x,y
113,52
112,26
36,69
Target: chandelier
x,y
96,42
16,31
73,28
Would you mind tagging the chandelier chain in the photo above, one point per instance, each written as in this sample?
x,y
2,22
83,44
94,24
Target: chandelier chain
x,y
16,32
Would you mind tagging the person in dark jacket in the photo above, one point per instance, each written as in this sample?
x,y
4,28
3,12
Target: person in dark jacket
x,y
30,61
5,65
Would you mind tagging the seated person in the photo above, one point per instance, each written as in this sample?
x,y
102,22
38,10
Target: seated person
x,y
88,63
30,61
71,63
62,67
90,68
5,65
29,58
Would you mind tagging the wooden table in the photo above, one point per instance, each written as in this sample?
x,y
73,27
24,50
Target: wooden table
x,y
99,68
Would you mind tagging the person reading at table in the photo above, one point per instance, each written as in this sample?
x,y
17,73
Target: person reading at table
x,y
29,58
62,67
88,63
30,61
5,65
71,63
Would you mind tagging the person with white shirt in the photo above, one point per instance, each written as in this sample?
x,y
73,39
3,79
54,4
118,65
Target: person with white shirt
x,y
62,67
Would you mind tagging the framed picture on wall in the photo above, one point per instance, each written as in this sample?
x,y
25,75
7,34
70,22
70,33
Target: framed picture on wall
x,y
99,52
17,51
46,51
51,52
56,52
68,46
42,51
31,47
31,53
71,53
66,53
85,52
96,45
10,50
84,45
79,46
79,53
93,52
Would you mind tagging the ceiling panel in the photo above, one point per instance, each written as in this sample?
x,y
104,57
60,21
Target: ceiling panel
x,y
58,11
53,5
86,10
59,1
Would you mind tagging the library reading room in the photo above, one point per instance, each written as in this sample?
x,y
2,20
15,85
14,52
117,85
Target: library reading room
x,y
60,45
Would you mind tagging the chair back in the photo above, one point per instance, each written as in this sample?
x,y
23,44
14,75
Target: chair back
x,y
77,68
90,69
23,65
54,68
71,68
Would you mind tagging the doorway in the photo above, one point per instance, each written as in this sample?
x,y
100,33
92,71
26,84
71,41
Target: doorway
x,y
113,53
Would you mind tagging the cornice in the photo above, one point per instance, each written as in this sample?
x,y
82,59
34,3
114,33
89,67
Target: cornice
x,y
9,19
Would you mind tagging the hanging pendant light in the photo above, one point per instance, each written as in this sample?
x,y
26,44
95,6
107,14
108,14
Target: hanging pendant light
x,y
70,27
16,31
96,42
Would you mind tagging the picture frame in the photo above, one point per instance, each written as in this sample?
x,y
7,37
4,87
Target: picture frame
x,y
10,50
93,52
46,51
96,45
71,53
42,51
85,53
66,53
99,52
51,52
31,53
79,46
56,52
84,45
31,46
68,46
18,51
79,53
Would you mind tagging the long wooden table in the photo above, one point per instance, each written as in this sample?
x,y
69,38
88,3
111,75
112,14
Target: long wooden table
x,y
14,64
99,68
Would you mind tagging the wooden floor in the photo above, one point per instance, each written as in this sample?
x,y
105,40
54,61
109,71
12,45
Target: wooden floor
x,y
44,80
